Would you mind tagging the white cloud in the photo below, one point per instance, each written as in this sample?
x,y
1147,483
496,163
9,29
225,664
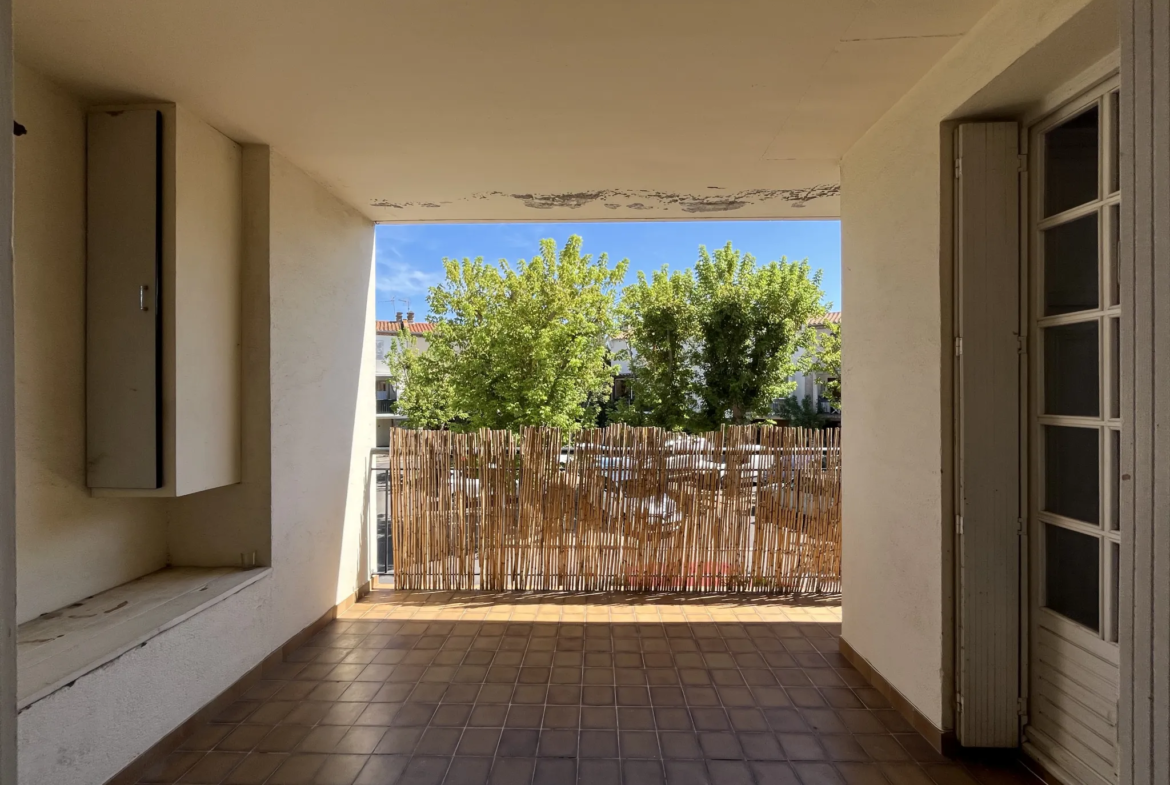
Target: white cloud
x,y
401,279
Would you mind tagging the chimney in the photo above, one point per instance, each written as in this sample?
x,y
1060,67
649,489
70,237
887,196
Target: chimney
x,y
409,316
398,316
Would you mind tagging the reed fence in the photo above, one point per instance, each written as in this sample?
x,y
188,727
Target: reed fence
x,y
744,509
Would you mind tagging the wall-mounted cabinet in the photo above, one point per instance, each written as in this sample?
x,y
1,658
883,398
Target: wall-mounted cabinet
x,y
164,252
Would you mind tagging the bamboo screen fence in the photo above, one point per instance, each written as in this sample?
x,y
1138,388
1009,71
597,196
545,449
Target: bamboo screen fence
x,y
745,509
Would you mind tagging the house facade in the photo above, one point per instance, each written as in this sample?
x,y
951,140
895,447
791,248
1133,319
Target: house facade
x,y
386,332
812,385
209,175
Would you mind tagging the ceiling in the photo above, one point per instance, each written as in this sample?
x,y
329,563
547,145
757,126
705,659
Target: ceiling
x,y
462,110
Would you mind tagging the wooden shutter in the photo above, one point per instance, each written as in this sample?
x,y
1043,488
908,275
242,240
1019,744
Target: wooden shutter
x,y
988,433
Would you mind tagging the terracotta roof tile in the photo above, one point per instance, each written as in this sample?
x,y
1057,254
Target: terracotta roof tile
x,y
832,317
393,327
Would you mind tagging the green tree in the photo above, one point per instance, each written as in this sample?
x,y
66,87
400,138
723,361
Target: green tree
x,y
661,326
827,362
425,388
521,344
752,319
801,413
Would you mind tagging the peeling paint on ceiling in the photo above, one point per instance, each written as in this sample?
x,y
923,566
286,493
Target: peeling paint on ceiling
x,y
639,199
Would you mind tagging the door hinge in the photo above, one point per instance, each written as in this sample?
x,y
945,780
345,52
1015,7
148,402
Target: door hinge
x,y
958,168
959,702
959,346
958,524
1022,162
1021,528
1022,706
1021,345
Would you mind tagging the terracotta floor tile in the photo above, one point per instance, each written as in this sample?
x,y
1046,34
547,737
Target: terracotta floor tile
x,y
382,769
237,711
728,772
340,769
882,748
206,737
950,774
761,746
643,772
255,769
862,774
360,740
817,774
172,766
905,774
509,771
558,771
399,741
680,772
422,688
299,769
842,747
471,771
212,768
802,746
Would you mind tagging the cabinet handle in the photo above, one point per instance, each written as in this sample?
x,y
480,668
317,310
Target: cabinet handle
x,y
142,306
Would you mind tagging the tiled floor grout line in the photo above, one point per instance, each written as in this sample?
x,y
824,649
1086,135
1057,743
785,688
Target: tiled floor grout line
x,y
692,625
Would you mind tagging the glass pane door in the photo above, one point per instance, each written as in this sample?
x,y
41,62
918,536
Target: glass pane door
x,y
1074,437
1074,366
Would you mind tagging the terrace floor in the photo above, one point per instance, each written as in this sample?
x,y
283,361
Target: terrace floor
x,y
423,688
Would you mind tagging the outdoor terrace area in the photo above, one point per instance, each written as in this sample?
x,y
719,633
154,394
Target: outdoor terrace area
x,y
464,688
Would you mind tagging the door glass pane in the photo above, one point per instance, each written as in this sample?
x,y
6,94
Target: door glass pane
x,y
1115,368
1115,143
1070,266
1071,384
1115,480
1115,563
1072,472
1070,163
1071,575
1115,255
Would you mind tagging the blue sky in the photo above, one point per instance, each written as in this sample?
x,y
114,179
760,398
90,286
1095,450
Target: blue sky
x,y
409,257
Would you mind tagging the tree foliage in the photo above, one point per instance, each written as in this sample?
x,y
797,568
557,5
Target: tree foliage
x,y
661,325
827,362
752,321
801,413
425,389
517,345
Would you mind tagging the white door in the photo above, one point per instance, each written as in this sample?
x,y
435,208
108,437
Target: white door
x,y
1074,439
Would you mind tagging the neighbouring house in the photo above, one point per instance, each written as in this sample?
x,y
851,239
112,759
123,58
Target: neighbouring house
x,y
619,347
812,385
190,198
386,395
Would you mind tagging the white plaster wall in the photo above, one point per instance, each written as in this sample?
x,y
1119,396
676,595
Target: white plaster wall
x,y
322,365
214,527
314,257
7,417
896,451
69,545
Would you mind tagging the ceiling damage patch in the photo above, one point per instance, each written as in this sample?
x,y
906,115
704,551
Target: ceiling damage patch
x,y
640,199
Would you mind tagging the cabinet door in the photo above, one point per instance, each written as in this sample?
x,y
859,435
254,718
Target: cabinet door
x,y
123,340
